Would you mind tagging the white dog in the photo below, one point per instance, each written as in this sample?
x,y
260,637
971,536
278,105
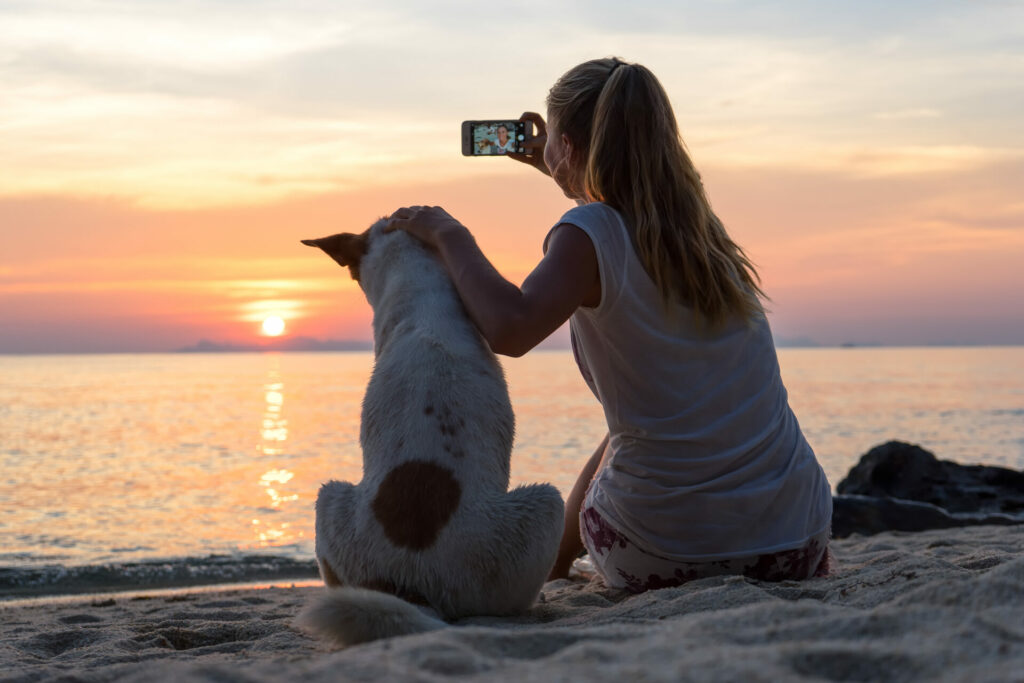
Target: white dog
x,y
432,522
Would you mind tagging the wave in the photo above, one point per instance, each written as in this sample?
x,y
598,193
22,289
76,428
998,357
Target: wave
x,y
56,580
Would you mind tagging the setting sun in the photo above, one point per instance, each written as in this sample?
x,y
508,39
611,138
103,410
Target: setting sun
x,y
273,326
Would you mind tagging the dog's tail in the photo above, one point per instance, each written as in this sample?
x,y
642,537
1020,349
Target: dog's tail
x,y
348,616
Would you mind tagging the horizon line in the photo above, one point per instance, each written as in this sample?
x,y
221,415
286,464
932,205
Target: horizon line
x,y
540,349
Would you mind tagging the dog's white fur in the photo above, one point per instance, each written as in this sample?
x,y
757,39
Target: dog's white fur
x,y
437,398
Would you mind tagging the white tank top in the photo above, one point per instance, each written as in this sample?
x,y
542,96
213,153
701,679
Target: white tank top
x,y
708,461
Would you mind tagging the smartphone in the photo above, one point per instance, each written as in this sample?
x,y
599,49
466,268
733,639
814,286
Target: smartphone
x,y
496,137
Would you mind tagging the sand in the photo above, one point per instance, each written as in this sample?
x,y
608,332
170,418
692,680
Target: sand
x,y
938,606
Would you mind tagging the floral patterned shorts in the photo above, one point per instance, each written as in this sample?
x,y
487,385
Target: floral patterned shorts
x,y
623,565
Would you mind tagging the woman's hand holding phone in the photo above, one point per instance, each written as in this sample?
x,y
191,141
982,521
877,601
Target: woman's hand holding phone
x,y
534,155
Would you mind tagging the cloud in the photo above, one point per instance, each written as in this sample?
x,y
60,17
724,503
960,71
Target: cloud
x,y
919,159
919,113
984,218
169,34
206,103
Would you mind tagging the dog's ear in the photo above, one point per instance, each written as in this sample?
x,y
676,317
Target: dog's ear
x,y
345,248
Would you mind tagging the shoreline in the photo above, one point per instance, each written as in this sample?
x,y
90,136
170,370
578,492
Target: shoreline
x,y
899,606
73,599
55,581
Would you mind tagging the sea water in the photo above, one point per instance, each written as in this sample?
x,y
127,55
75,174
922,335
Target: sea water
x,y
172,469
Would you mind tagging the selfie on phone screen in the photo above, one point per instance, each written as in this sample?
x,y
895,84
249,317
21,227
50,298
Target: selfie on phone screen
x,y
493,138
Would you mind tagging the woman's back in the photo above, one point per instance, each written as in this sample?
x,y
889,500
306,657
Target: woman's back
x,y
708,461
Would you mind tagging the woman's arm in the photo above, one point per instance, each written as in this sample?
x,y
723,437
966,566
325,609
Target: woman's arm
x,y
512,319
572,544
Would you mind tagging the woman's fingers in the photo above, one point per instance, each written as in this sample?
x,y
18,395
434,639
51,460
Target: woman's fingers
x,y
534,155
405,213
422,222
399,217
535,145
537,120
518,156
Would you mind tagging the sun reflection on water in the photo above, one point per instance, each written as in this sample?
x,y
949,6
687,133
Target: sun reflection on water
x,y
275,426
275,481
271,479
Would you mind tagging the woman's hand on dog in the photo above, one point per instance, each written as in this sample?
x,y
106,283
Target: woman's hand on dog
x,y
428,224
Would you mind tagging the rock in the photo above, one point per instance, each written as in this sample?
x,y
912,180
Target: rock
x,y
901,470
869,515
902,487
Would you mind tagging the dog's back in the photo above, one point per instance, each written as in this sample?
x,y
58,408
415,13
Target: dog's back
x,y
436,386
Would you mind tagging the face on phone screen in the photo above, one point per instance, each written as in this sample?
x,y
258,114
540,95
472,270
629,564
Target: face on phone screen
x,y
497,137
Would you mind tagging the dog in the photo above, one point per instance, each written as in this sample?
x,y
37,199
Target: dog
x,y
431,533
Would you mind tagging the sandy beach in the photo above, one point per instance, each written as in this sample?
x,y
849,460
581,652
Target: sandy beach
x,y
941,605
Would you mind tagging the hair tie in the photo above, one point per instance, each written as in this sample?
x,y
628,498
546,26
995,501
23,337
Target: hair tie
x,y
614,67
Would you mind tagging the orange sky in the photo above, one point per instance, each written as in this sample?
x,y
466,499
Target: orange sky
x,y
161,164
92,271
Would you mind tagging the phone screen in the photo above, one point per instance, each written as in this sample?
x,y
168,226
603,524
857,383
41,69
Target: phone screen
x,y
492,138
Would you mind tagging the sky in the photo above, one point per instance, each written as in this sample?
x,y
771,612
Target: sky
x,y
160,161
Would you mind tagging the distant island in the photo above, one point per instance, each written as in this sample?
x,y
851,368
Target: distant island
x,y
796,342
288,344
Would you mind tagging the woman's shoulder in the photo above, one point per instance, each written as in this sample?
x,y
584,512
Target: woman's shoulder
x,y
590,212
597,219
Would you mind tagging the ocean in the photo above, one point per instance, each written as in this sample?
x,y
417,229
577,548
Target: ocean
x,y
153,470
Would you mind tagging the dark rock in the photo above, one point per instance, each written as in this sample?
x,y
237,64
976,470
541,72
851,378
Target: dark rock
x,y
869,515
902,487
901,470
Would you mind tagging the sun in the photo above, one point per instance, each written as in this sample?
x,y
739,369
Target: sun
x,y
273,326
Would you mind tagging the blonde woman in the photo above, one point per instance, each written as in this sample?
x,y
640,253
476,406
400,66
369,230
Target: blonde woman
x,y
704,469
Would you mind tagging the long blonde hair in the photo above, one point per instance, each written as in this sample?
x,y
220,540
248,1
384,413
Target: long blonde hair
x,y
620,118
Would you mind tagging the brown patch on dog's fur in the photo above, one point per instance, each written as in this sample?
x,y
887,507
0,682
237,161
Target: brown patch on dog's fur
x,y
414,502
347,249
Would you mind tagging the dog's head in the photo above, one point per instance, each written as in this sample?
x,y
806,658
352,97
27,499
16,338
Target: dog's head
x,y
379,260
